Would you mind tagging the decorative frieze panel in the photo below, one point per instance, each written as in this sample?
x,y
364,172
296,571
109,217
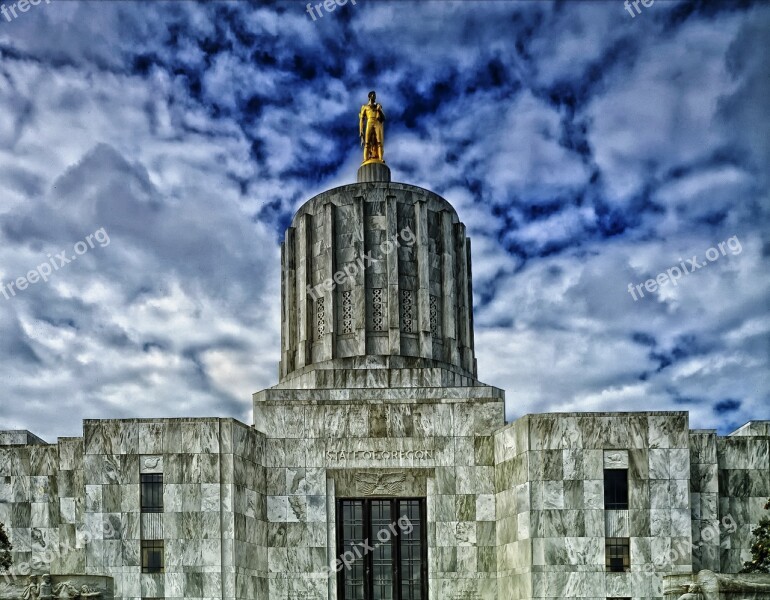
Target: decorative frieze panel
x,y
435,331
407,311
378,313
320,313
347,311
616,523
389,483
152,526
394,482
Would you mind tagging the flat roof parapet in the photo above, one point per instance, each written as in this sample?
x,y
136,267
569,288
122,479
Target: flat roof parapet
x,y
19,437
752,428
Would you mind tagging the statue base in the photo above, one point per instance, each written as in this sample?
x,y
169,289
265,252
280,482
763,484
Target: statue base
x,y
373,170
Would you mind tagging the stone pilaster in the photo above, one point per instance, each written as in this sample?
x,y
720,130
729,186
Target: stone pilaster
x,y
359,293
471,355
288,302
393,316
328,257
423,289
464,300
305,305
449,296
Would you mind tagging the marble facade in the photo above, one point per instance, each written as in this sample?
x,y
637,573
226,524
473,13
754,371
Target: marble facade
x,y
378,398
74,506
514,511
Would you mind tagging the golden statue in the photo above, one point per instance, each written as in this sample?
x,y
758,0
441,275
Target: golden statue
x,y
373,138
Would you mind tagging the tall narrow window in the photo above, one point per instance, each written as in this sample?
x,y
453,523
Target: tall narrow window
x,y
616,489
152,556
412,550
617,554
151,503
152,492
382,545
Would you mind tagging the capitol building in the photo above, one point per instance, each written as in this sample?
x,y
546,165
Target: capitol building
x,y
379,467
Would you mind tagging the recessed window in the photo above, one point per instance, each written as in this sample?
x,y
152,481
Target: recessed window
x,y
152,492
618,554
152,556
616,489
383,547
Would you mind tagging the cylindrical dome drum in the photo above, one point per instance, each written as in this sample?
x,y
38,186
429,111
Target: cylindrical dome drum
x,y
377,270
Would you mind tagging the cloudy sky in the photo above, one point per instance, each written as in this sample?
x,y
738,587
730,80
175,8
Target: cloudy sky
x,y
584,148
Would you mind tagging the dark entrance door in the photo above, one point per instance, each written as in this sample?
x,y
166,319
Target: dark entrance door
x,y
383,549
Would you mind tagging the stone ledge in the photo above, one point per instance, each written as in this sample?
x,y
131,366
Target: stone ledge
x,y
377,361
409,395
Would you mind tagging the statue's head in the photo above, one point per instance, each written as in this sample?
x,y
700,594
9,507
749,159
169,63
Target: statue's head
x,y
372,95
694,588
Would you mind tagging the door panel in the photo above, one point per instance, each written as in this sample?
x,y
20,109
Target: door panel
x,y
385,542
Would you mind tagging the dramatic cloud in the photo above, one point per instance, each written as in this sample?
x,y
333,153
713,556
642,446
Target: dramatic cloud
x,y
585,149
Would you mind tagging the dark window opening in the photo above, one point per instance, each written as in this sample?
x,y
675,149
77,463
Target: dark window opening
x,y
382,548
152,492
616,489
618,554
152,556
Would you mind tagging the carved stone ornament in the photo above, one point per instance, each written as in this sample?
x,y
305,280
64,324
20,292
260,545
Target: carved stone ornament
x,y
40,587
693,593
65,589
388,483
615,459
151,464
